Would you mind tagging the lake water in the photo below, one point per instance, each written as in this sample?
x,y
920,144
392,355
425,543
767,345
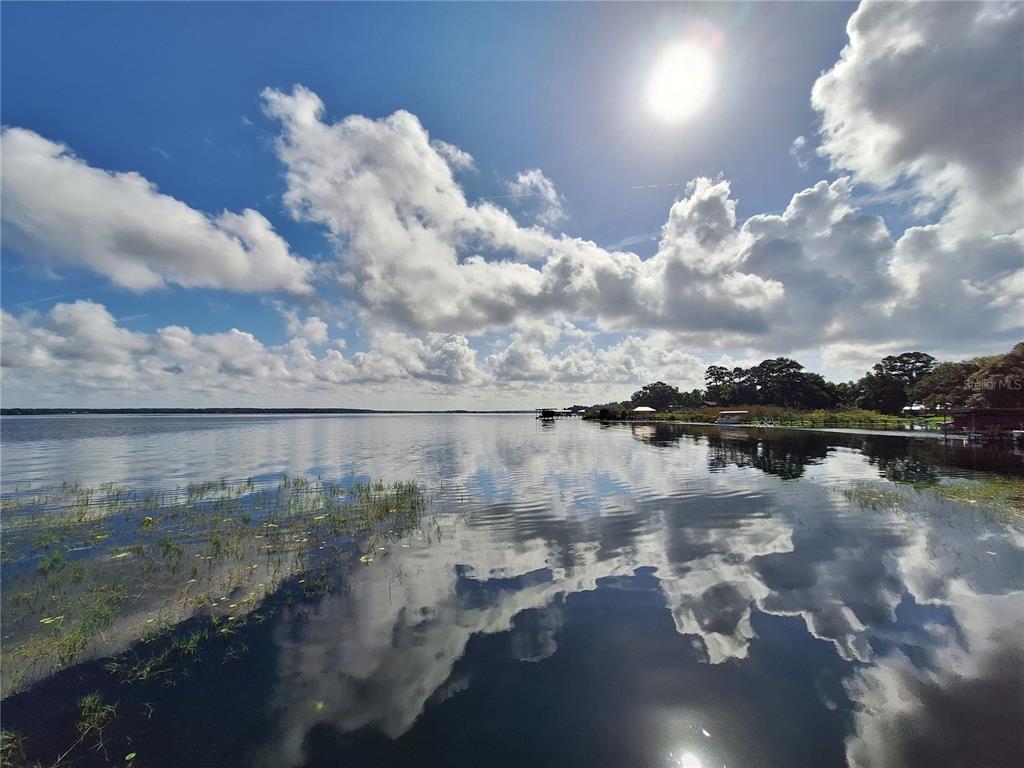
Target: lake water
x,y
596,595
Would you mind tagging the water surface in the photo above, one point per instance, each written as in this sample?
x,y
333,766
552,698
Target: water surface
x,y
600,595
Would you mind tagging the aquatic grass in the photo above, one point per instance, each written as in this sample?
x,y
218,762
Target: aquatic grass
x,y
870,496
94,715
90,570
1000,495
12,749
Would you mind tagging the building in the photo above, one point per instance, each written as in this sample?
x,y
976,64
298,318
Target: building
x,y
643,412
553,413
987,419
732,417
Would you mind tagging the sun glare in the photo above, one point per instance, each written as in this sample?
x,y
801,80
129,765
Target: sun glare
x,y
681,83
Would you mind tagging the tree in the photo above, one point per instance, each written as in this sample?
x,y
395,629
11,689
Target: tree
x,y
880,392
999,380
777,382
720,384
657,395
744,389
910,367
947,384
848,393
887,388
692,399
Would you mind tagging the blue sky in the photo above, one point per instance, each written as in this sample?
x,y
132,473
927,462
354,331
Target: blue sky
x,y
177,93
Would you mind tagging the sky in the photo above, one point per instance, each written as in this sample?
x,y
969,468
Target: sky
x,y
498,206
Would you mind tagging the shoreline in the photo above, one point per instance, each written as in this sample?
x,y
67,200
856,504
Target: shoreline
x,y
238,411
923,433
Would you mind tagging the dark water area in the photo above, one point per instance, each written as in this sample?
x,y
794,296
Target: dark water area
x,y
596,595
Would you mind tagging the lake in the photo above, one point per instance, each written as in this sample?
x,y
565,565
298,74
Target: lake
x,y
579,594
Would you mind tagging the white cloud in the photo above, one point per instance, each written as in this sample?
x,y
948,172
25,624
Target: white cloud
x,y
421,256
798,151
82,334
924,100
547,209
311,329
59,210
458,160
77,349
955,288
933,94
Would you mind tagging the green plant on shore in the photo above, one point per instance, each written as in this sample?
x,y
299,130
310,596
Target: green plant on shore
x,y
777,415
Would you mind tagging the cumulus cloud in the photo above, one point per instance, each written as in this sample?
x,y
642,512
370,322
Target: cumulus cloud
x,y
83,334
547,209
932,94
311,329
458,159
421,256
575,358
62,211
80,347
924,99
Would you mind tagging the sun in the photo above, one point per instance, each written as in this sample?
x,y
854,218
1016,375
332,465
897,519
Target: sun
x,y
681,83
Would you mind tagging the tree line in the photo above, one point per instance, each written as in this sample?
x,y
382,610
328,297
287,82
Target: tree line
x,y
892,383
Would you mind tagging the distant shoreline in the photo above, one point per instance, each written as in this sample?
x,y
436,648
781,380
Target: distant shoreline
x,y
228,411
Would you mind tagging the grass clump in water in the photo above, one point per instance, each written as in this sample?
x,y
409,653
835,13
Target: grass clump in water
x,y
12,749
1001,495
873,497
998,497
89,571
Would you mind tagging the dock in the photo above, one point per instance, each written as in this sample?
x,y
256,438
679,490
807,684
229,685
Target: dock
x,y
556,413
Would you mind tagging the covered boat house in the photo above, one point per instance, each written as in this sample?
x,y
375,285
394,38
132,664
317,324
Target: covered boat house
x,y
732,417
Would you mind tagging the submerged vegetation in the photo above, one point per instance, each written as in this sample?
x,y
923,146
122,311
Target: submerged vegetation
x,y
1001,495
873,497
88,572
997,496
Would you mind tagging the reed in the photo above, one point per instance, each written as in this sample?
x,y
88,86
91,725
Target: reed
x,y
82,565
